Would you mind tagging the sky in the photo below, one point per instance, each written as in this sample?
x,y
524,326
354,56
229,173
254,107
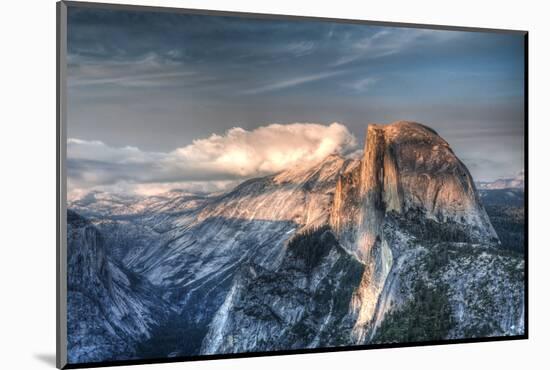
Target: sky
x,y
162,100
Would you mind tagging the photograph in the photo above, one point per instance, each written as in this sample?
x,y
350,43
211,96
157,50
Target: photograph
x,y
241,184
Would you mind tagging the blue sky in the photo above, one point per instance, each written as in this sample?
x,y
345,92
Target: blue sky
x,y
158,81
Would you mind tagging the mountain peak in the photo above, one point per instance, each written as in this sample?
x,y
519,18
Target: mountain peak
x,y
406,132
407,167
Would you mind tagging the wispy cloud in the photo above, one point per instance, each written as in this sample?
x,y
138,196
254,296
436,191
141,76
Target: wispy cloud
x,y
135,80
292,82
301,48
150,69
393,41
363,84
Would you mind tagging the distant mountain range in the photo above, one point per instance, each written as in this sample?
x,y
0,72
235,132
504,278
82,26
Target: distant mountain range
x,y
517,182
395,246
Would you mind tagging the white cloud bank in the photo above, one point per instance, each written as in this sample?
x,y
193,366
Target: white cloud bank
x,y
207,164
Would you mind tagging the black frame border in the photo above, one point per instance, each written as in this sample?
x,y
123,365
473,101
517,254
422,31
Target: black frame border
x,y
61,104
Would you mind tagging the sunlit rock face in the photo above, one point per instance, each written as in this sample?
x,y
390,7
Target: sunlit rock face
x,y
431,177
318,255
346,205
406,167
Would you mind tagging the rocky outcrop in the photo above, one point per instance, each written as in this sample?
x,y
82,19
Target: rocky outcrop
x,y
406,167
407,170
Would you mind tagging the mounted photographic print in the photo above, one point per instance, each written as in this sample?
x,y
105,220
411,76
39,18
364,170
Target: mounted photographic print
x,y
234,184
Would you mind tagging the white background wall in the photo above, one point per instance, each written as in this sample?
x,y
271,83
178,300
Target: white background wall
x,y
27,193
